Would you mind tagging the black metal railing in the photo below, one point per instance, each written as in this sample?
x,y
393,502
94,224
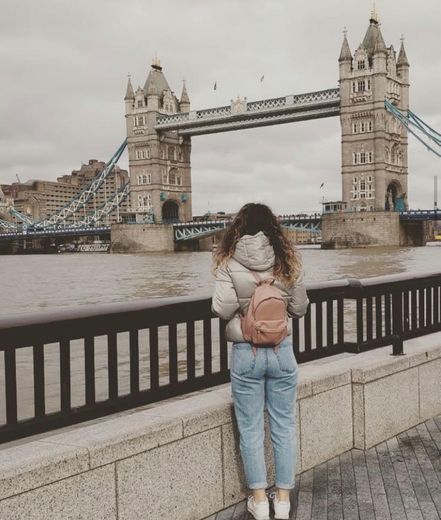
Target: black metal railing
x,y
66,366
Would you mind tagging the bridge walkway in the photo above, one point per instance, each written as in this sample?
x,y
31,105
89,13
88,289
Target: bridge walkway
x,y
397,479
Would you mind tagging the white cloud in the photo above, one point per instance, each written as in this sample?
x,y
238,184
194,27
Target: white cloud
x,y
64,67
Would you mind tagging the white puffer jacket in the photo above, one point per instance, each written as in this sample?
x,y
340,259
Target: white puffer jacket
x,y
235,284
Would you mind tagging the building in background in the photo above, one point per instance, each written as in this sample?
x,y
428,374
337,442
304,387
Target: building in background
x,y
40,198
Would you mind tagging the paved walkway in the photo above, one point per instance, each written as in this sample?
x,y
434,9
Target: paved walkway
x,y
398,479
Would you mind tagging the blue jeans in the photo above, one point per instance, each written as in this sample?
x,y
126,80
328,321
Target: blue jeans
x,y
267,378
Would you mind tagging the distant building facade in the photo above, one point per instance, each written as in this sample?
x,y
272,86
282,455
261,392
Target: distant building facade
x,y
41,199
374,143
159,164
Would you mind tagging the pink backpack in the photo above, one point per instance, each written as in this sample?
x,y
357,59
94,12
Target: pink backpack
x,y
266,320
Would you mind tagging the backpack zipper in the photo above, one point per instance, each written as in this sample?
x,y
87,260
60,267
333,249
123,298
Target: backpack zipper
x,y
265,329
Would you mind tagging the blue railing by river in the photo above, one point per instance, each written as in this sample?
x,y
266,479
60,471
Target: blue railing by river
x,y
62,367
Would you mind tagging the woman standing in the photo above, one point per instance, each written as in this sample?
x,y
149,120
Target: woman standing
x,y
253,244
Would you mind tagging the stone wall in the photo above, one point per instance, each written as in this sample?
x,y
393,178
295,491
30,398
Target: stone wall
x,y
365,229
153,462
141,238
360,229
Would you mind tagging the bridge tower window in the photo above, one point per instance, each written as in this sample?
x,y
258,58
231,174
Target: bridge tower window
x,y
142,153
172,176
145,178
144,201
361,64
361,84
139,121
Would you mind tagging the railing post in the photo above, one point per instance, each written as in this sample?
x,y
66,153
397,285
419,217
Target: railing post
x,y
355,291
397,323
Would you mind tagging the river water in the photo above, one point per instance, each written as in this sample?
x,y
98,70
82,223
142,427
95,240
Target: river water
x,y
31,283
37,282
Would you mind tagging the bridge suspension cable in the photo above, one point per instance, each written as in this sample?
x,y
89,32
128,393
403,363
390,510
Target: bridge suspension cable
x,y
24,219
77,203
5,224
414,125
105,209
433,134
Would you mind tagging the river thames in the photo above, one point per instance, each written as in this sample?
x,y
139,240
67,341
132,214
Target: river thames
x,y
41,282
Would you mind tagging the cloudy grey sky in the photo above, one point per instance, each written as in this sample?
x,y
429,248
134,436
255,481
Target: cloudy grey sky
x,y
64,71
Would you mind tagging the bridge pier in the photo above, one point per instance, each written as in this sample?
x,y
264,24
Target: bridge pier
x,y
371,228
141,238
415,233
198,244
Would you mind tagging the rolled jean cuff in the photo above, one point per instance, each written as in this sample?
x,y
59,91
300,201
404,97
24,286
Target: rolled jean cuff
x,y
259,485
285,486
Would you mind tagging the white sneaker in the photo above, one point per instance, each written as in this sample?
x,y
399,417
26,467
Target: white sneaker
x,y
281,507
260,510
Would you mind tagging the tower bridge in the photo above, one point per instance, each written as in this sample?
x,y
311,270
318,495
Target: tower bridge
x,y
372,102
374,164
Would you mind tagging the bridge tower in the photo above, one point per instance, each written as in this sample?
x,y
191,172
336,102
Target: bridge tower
x,y
159,162
373,144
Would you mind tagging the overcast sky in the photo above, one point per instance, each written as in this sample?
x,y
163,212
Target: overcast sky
x,y
64,68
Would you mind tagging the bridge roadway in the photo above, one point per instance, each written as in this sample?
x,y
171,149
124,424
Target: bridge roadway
x,y
397,479
199,229
55,232
191,230
242,114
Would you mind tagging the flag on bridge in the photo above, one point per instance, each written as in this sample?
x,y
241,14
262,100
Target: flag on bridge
x,y
215,85
322,184
262,78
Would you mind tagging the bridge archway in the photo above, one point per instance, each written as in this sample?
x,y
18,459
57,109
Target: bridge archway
x,y
170,212
394,198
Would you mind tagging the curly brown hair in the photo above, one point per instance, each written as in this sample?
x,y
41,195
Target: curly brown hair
x,y
252,218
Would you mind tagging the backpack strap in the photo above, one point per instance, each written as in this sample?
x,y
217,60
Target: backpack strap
x,y
256,276
269,279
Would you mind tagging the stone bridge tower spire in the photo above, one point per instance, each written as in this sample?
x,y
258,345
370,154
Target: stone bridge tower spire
x,y
374,144
159,162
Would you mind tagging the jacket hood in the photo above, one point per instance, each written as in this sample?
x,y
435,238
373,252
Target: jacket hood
x,y
255,252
